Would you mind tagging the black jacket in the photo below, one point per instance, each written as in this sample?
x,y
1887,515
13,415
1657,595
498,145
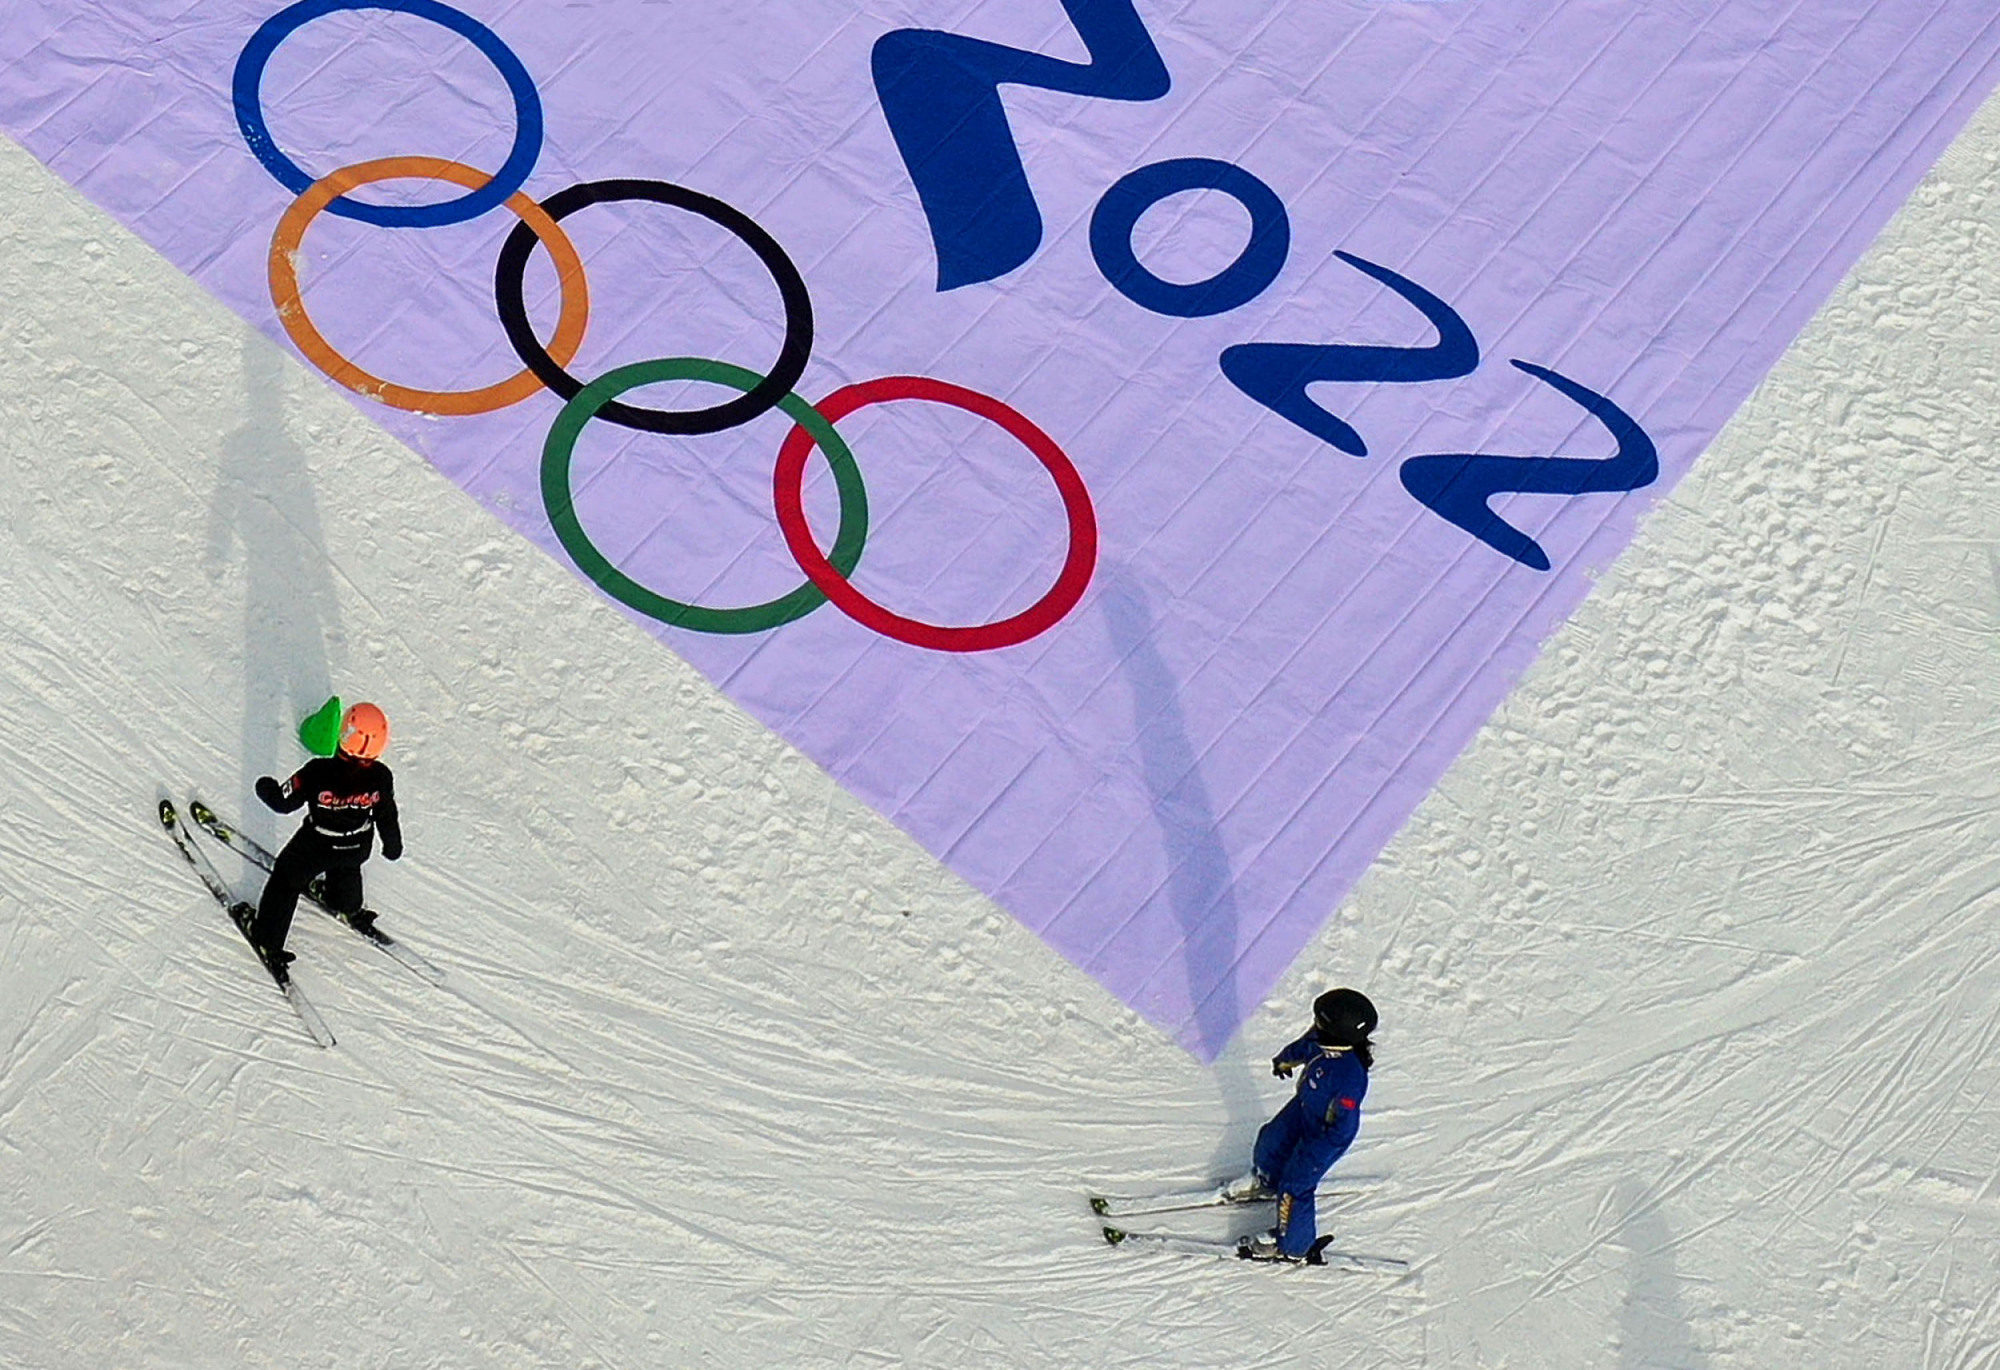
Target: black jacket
x,y
346,802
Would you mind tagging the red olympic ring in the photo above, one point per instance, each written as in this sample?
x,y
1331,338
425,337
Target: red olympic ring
x,y
789,492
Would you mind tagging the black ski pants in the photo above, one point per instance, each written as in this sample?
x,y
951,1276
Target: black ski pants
x,y
307,855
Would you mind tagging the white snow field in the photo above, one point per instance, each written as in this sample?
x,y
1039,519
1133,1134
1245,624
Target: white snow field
x,y
1689,971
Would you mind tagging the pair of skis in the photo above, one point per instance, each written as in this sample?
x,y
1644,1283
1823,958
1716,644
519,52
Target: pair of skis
x,y
361,923
1233,1194
241,914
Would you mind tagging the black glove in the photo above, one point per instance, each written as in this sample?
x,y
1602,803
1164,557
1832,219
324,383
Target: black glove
x,y
392,851
271,793
1283,1069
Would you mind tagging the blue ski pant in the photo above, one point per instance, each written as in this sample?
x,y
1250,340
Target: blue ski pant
x,y
1293,1154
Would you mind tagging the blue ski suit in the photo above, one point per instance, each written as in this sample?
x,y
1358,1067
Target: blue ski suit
x,y
1298,1146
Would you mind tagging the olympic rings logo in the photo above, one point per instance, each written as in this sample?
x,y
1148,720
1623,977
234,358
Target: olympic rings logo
x,y
829,573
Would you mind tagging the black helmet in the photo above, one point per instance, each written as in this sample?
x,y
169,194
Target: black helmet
x,y
1343,1017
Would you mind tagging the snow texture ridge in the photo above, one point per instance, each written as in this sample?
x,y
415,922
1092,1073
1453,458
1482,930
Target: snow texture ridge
x,y
1688,969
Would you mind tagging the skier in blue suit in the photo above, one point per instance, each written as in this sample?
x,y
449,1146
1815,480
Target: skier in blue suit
x,y
1298,1146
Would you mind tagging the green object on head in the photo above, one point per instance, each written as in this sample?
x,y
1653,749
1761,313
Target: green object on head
x,y
320,733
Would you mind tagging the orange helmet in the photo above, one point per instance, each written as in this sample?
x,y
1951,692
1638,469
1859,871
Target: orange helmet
x,y
364,732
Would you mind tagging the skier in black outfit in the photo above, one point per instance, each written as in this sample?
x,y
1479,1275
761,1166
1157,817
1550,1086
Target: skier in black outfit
x,y
347,797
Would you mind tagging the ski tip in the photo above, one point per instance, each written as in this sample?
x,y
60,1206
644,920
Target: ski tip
x,y
167,815
1099,1205
202,813
1113,1236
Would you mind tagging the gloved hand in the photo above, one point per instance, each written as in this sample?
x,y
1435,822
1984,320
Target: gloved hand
x,y
392,851
1283,1069
270,792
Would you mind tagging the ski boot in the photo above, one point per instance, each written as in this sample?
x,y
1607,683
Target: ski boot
x,y
361,920
276,961
1248,1188
1264,1247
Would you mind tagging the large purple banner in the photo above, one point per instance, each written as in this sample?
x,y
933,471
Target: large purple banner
x,y
1133,446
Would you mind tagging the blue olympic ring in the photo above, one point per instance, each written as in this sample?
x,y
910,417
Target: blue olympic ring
x,y
1242,281
513,174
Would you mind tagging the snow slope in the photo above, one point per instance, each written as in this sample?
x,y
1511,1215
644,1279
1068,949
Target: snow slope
x,y
1690,970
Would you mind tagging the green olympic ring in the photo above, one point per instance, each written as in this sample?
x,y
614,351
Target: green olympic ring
x,y
753,618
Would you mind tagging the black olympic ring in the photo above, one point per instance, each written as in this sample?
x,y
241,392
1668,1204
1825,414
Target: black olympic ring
x,y
510,275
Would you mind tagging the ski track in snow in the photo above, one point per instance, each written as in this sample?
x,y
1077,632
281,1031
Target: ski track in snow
x,y
1689,969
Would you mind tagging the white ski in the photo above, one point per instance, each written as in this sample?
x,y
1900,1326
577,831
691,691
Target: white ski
x,y
1240,1248
239,914
1222,1194
363,924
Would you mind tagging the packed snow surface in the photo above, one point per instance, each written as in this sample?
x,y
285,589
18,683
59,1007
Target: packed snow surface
x,y
1689,971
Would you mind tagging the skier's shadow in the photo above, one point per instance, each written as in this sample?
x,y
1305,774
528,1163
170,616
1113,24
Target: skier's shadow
x,y
1653,1328
1200,883
264,503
